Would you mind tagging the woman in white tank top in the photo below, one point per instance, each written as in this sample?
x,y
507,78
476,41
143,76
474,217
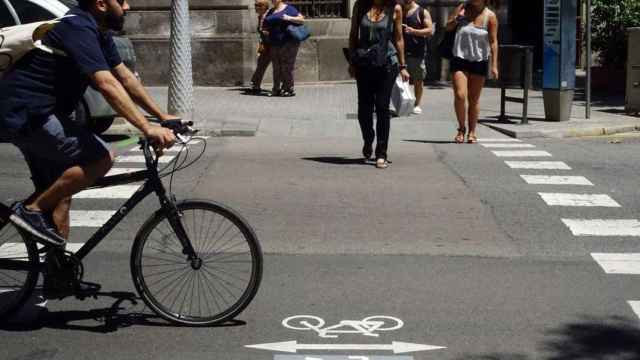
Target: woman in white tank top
x,y
475,51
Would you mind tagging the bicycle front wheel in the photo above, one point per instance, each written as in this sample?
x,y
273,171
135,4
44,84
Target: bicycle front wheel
x,y
215,290
19,268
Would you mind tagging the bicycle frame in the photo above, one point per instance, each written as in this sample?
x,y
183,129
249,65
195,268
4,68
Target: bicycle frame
x,y
152,184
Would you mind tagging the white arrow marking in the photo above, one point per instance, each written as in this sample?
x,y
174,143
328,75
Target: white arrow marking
x,y
396,346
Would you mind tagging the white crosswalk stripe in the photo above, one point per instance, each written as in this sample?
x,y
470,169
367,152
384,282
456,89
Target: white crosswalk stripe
x,y
556,180
522,153
140,159
118,171
90,218
635,306
603,227
507,146
590,200
538,165
112,192
19,250
487,140
628,264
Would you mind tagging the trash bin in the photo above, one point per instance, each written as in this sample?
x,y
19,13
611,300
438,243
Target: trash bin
x,y
516,72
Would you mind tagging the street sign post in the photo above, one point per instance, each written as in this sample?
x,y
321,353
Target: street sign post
x,y
559,63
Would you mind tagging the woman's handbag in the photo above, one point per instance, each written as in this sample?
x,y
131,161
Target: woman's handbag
x,y
299,33
447,41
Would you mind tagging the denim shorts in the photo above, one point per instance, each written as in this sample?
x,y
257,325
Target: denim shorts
x,y
55,145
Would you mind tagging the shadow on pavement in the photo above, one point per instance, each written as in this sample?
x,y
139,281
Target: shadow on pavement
x,y
128,310
249,92
613,338
336,160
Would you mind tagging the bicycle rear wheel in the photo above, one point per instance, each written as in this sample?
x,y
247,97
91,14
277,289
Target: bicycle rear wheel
x,y
215,292
19,268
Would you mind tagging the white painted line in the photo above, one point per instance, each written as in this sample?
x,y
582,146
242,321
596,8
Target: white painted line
x,y
602,227
140,159
92,218
635,306
396,346
507,146
591,200
118,171
113,192
556,180
538,165
487,140
628,264
522,153
18,250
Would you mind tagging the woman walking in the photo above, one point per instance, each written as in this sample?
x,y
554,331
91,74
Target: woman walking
x,y
377,55
476,44
264,50
284,48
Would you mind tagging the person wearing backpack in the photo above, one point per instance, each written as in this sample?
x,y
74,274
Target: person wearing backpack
x,y
376,49
417,26
38,96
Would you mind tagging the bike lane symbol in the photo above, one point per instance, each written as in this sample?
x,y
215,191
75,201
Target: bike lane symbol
x,y
369,326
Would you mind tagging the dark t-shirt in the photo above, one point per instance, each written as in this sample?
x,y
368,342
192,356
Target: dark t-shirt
x,y
42,84
415,46
277,27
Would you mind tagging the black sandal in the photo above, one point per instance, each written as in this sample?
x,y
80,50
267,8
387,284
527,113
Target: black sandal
x,y
459,139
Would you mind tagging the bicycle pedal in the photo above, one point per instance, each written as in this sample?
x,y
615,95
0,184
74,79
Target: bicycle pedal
x,y
85,289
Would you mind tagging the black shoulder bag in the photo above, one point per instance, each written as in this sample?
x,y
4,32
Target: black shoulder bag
x,y
447,41
376,56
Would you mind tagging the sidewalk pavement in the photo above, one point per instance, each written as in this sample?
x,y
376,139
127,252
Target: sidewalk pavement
x,y
330,110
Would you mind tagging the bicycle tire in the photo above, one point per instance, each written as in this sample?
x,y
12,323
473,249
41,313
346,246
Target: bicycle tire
x,y
16,248
169,254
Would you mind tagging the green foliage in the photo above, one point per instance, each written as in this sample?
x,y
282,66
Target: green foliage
x,y
611,18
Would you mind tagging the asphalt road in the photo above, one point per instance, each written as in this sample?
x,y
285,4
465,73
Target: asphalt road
x,y
450,240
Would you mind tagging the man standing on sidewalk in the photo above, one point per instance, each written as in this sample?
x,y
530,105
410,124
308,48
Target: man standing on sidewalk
x,y
417,26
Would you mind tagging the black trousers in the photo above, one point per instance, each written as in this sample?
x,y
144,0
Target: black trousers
x,y
374,93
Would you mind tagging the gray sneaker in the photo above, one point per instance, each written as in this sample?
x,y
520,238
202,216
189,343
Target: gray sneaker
x,y
36,223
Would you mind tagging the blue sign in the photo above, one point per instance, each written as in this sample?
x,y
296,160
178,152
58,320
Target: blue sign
x,y
559,52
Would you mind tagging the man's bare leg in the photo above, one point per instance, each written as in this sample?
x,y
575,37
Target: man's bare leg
x,y
72,181
60,217
419,88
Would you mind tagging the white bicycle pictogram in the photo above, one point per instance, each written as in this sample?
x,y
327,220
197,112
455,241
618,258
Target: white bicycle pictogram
x,y
367,326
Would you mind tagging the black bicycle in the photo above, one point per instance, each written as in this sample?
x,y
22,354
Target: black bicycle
x,y
193,262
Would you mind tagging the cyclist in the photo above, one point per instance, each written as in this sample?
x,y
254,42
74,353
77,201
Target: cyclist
x,y
38,97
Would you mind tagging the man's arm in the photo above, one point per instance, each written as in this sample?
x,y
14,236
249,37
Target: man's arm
x,y
119,99
427,27
137,92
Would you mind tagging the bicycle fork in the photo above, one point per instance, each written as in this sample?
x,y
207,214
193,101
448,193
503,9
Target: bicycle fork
x,y
175,220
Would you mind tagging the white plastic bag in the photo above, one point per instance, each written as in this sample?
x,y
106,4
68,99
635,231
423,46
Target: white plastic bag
x,y
402,97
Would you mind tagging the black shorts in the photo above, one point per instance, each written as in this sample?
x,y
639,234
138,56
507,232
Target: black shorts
x,y
480,68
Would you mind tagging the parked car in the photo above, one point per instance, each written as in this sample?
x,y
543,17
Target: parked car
x,y
93,111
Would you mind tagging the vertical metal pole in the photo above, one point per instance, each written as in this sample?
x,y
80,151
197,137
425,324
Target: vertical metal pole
x,y
588,80
528,79
180,73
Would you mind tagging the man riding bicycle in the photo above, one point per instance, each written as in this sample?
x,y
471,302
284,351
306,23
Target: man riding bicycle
x,y
37,100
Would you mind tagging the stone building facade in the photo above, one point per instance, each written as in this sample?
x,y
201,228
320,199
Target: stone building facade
x,y
224,39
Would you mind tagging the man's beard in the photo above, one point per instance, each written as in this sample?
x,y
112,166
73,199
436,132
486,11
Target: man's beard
x,y
114,22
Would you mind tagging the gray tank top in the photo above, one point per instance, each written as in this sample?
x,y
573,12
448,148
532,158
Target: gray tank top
x,y
372,32
472,42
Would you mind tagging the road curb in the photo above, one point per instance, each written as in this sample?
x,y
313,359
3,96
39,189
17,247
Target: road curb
x,y
121,127
565,133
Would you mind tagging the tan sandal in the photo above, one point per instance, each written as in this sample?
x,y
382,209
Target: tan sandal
x,y
459,139
472,139
382,163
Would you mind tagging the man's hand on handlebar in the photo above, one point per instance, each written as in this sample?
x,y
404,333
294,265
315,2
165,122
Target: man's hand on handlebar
x,y
161,138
